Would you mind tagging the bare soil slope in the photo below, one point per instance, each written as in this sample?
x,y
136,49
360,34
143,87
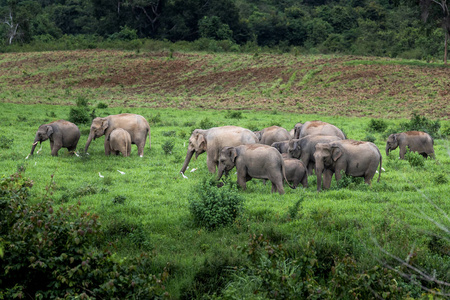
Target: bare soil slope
x,y
332,85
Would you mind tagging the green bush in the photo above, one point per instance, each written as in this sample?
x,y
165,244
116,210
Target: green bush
x,y
205,124
80,114
214,207
377,125
370,138
233,114
49,253
414,159
168,147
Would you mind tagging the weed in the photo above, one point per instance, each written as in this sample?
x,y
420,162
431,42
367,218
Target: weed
x,y
205,124
120,199
102,105
440,179
233,114
169,133
370,138
214,207
348,181
377,125
293,210
5,142
414,159
155,119
168,147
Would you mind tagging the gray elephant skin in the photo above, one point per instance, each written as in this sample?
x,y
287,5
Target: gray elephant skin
x,y
355,158
305,147
120,142
61,133
213,140
282,147
136,125
254,161
270,135
416,141
317,128
296,172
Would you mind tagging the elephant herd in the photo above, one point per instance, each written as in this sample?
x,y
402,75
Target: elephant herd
x,y
272,153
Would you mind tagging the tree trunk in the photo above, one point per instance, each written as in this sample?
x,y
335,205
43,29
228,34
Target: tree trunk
x,y
445,47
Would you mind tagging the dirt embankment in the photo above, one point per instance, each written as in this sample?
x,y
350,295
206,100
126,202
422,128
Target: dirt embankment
x,y
349,86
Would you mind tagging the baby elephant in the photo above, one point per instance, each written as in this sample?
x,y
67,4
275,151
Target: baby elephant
x,y
61,133
254,161
416,141
296,172
120,141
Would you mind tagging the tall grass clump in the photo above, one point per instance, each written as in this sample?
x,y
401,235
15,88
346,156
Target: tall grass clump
x,y
213,207
80,114
377,125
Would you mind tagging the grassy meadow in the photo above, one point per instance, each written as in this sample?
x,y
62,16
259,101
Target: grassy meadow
x,y
146,209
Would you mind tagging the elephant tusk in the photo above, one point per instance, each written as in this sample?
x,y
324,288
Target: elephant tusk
x,y
27,156
121,172
34,144
76,154
194,169
383,169
184,176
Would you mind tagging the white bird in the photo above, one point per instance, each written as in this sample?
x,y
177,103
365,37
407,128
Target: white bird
x,y
35,163
121,172
184,144
101,176
184,176
76,154
383,169
194,169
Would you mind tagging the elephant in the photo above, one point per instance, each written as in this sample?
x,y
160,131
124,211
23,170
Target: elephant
x,y
213,140
254,161
296,172
355,158
120,142
317,128
282,147
416,141
270,135
305,147
61,133
136,125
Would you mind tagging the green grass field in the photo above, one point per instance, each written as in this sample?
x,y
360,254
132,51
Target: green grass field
x,y
147,208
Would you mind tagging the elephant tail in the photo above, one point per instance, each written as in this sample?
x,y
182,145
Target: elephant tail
x,y
381,163
149,139
283,169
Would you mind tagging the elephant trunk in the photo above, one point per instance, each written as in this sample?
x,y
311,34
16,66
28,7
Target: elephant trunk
x,y
319,171
91,136
187,160
221,171
387,150
34,146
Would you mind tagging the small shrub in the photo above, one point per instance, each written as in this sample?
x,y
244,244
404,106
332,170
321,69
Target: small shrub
x,y
119,199
445,130
233,114
377,125
182,134
80,114
415,159
349,181
205,124
214,207
5,142
168,147
189,123
155,119
293,210
51,114
441,179
102,105
169,133
370,138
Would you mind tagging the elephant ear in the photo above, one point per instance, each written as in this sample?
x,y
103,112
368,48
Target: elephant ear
x,y
233,154
336,152
49,131
105,125
202,145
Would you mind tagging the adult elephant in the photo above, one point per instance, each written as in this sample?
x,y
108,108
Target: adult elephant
x,y
355,158
136,125
254,161
61,133
304,148
270,135
317,128
212,140
120,142
416,141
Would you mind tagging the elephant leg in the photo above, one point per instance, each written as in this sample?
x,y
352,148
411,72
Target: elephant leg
x,y
107,147
279,187
140,146
211,163
241,180
402,152
310,166
55,148
305,180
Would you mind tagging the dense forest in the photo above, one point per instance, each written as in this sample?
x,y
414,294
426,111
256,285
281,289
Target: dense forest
x,y
391,28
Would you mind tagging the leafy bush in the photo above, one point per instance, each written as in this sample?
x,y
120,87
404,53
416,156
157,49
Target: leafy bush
x,y
377,125
414,159
445,130
119,199
5,142
441,179
370,138
233,114
205,124
102,105
169,133
168,147
49,253
80,114
125,34
214,207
